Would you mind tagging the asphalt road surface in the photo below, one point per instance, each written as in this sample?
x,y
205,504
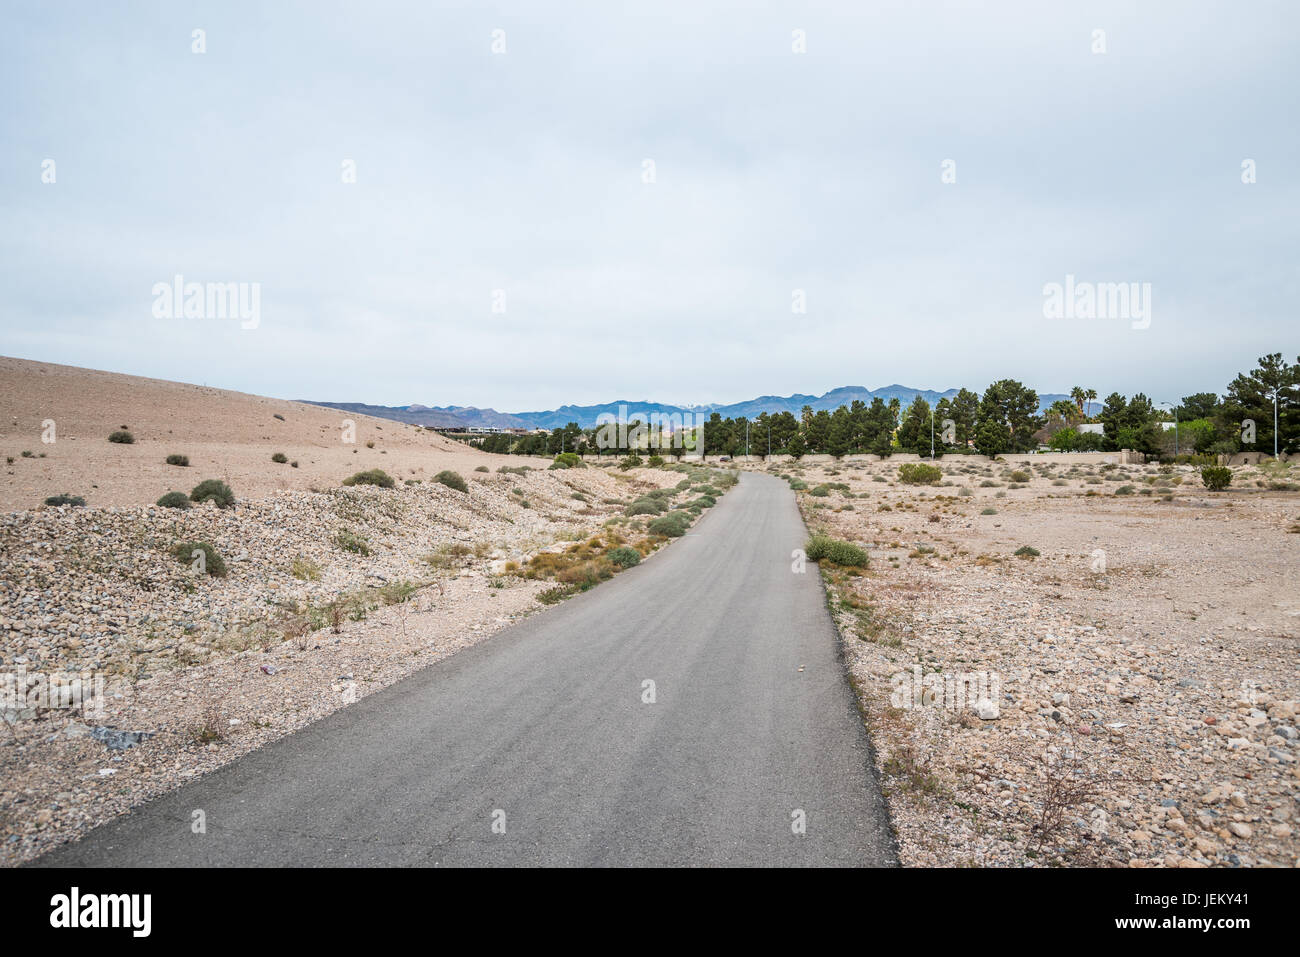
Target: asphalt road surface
x,y
543,732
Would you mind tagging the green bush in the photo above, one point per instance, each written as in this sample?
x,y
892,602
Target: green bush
x,y
820,491
213,563
482,468
631,462
672,525
568,460
174,500
623,556
655,461
1019,476
65,499
1216,477
352,542
451,480
918,473
1027,551
824,548
182,460
371,477
279,458
215,491
122,437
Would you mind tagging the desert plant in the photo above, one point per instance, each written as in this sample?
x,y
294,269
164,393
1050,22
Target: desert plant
x,y
215,491
182,460
187,553
65,499
824,548
122,437
1019,476
1027,551
1216,477
568,460
623,556
631,462
482,468
451,480
279,458
304,569
672,525
174,500
918,473
352,542
376,477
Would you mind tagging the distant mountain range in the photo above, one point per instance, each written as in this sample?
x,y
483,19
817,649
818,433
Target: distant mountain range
x,y
463,416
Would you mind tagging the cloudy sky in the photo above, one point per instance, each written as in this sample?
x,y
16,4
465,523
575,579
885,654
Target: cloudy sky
x,y
524,171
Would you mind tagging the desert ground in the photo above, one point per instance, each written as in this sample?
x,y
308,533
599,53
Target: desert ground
x,y
329,593
226,435
1148,650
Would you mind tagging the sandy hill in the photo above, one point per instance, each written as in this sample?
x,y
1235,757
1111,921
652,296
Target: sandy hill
x,y
227,435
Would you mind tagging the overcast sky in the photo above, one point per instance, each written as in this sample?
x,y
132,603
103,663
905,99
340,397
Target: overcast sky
x,y
774,171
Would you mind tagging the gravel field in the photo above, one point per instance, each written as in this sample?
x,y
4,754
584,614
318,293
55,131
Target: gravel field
x,y
1147,659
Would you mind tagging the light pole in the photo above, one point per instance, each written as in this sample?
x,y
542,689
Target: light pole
x,y
931,433
1173,408
747,439
1275,391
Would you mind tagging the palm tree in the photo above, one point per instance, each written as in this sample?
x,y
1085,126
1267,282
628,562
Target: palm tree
x,y
1091,396
1064,410
1078,395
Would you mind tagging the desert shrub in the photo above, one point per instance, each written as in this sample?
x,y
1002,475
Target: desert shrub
x,y
824,548
371,477
705,501
279,458
1128,490
174,500
213,564
672,525
182,460
512,470
1027,551
352,542
645,505
215,491
277,415
989,511
655,461
568,460
798,485
623,556
631,462
451,480
304,569
65,499
1019,475
1216,477
918,473
482,468
553,595
819,491
122,437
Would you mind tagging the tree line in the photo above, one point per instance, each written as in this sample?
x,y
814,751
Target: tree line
x,y
1005,418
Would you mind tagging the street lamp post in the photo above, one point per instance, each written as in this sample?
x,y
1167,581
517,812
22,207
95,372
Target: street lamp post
x,y
1174,409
